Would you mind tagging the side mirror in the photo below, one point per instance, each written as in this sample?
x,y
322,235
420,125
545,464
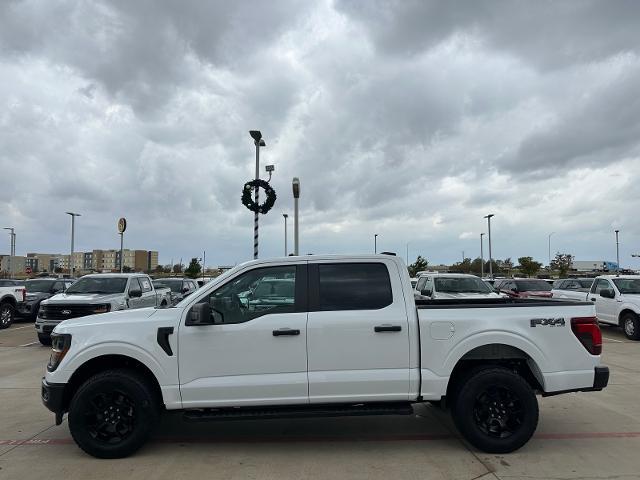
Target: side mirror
x,y
200,314
608,293
425,292
185,289
135,293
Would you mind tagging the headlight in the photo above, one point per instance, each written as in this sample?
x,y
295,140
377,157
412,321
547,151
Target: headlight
x,y
102,308
60,344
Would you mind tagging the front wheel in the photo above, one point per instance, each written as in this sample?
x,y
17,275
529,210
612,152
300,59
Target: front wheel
x,y
496,410
7,313
113,413
631,326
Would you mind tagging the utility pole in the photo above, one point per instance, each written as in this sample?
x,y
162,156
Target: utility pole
x,y
258,142
12,248
481,256
550,250
296,195
73,226
285,234
488,217
375,243
204,264
617,254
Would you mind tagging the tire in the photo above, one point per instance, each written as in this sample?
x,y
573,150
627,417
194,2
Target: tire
x,y
630,326
495,410
7,314
103,433
44,339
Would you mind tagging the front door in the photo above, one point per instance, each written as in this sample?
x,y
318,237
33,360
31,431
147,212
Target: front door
x,y
256,352
358,333
135,302
605,307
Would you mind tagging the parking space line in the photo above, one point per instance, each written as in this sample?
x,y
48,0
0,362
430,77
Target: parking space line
x,y
28,344
311,439
613,340
20,328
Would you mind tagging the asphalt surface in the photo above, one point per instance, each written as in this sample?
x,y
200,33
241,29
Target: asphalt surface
x,y
587,435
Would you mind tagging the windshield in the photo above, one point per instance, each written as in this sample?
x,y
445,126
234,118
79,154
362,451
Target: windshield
x,y
533,286
33,286
628,285
174,285
98,285
461,285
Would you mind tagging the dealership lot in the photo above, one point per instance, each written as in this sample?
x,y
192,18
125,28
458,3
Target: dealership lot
x,y
594,435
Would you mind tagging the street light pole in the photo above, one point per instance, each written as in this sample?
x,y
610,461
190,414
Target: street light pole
x,y
12,248
73,226
375,243
481,256
204,264
296,195
285,233
617,254
258,142
550,250
407,253
488,217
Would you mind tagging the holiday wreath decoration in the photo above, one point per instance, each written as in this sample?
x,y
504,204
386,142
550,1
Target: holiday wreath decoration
x,y
248,202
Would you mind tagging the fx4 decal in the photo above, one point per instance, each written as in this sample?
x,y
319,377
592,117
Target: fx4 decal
x,y
547,322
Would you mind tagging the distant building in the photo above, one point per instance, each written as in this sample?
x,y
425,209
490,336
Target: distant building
x,y
593,266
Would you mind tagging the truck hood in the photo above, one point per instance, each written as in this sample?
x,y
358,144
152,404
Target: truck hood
x,y
120,316
88,298
447,295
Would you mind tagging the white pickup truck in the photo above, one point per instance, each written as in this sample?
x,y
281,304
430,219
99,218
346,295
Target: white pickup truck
x,y
319,336
10,297
617,300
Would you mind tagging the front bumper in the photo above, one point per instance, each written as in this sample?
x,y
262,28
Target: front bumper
x,y
27,309
44,327
53,398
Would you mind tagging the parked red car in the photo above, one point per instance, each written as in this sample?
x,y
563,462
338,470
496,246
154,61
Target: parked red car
x,y
525,288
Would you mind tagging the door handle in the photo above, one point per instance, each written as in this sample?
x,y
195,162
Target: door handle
x,y
387,328
286,331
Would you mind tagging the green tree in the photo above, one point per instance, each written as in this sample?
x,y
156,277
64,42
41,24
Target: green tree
x,y
462,267
419,265
562,263
177,268
528,266
194,269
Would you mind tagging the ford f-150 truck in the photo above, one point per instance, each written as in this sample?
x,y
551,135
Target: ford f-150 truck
x,y
99,293
319,336
617,301
10,296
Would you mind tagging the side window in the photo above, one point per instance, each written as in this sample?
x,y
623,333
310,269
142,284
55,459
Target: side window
x,y
602,285
429,284
135,284
255,293
421,282
354,286
58,287
145,283
192,286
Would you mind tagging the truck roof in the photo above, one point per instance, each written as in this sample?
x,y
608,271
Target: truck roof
x,y
113,275
613,277
297,259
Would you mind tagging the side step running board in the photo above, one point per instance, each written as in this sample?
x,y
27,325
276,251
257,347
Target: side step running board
x,y
298,411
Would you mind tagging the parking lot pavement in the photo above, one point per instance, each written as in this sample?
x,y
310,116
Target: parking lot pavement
x,y
588,435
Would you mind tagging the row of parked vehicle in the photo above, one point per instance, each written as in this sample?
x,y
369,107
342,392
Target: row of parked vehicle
x,y
616,297
48,301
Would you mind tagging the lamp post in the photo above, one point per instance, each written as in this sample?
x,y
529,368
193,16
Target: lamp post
x,y
296,195
285,233
12,248
407,253
550,250
481,256
204,264
73,227
258,142
617,254
488,217
375,243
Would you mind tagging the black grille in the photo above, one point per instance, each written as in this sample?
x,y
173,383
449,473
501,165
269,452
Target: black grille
x,y
64,312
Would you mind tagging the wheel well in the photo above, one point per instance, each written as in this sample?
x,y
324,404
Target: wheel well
x,y
623,313
495,355
8,299
109,362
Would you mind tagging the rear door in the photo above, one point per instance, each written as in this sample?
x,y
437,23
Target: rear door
x,y
357,333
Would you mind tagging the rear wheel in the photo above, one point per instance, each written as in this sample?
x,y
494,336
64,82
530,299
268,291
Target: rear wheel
x,y
44,339
7,313
631,326
113,413
496,410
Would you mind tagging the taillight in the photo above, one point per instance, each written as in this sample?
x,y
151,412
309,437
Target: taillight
x,y
586,330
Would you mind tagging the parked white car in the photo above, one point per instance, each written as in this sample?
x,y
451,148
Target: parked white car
x,y
617,301
453,285
10,297
319,336
572,288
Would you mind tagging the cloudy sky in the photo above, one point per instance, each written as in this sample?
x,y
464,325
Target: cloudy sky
x,y
409,119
